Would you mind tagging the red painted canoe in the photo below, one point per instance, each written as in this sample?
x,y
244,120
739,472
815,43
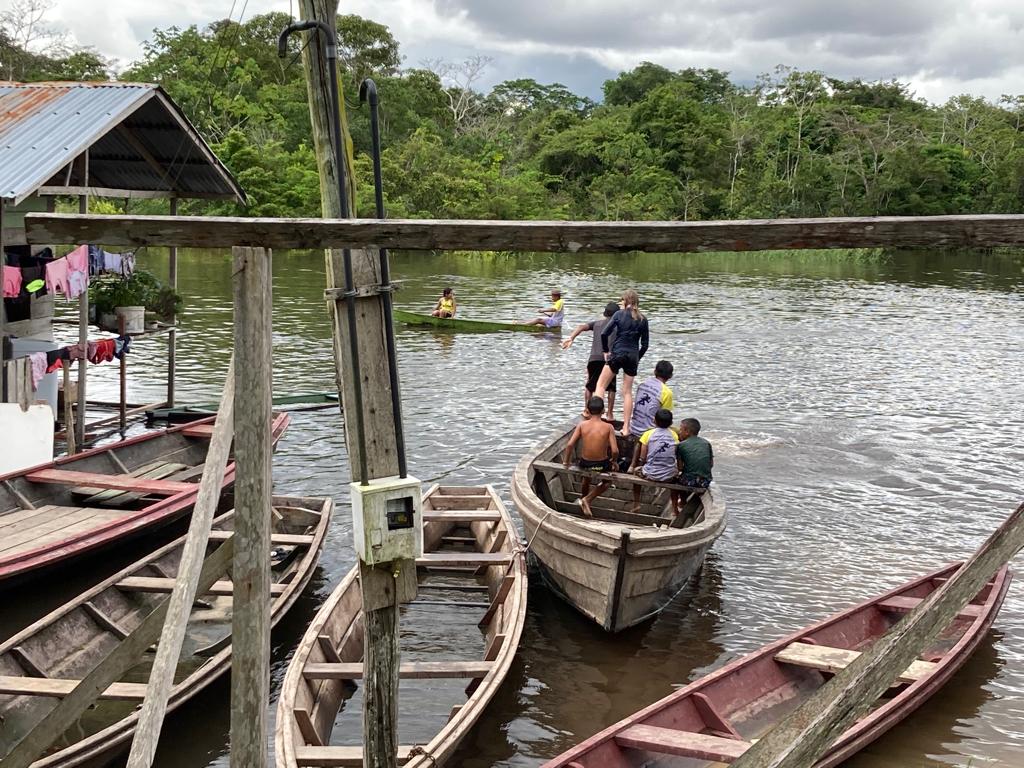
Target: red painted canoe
x,y
57,511
715,719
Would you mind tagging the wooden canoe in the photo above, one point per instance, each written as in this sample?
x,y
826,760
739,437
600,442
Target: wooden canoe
x,y
466,531
54,512
46,660
472,326
715,719
619,568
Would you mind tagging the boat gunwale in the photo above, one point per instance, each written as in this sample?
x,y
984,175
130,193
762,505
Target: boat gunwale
x,y
871,725
108,739
447,739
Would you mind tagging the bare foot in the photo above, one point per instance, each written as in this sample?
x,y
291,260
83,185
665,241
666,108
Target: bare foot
x,y
585,506
635,509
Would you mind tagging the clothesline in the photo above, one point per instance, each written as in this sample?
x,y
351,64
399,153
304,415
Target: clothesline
x,y
102,351
69,274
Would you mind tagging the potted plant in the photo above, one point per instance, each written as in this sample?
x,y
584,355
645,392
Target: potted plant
x,y
132,297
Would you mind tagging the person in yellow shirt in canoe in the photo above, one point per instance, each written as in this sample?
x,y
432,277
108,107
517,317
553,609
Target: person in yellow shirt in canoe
x,y
554,314
445,305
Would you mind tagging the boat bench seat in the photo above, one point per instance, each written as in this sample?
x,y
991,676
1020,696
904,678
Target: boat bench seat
x,y
900,604
463,559
615,478
669,741
825,658
465,501
458,516
58,688
112,482
329,757
158,470
162,585
417,670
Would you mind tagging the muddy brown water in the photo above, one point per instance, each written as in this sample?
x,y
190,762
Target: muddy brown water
x,y
866,414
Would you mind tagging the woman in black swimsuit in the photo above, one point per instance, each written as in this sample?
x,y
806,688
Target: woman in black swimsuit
x,y
631,340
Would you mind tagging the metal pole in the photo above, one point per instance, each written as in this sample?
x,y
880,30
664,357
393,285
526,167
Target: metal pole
x,y
368,92
83,325
331,54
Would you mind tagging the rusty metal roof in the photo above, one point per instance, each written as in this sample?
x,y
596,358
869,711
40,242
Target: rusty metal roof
x,y
137,140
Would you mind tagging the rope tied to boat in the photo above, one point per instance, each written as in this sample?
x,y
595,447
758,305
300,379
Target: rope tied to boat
x,y
417,751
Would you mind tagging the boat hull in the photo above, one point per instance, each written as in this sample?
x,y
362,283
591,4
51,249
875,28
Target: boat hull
x,y
616,574
469,326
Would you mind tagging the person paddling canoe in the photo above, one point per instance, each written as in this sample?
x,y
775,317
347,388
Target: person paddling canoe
x,y
553,314
445,305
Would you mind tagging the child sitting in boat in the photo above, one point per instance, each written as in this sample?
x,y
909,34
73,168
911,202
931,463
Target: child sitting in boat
x,y
598,450
657,455
445,305
554,314
694,455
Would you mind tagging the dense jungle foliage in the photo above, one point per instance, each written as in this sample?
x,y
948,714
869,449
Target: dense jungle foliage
x,y
660,145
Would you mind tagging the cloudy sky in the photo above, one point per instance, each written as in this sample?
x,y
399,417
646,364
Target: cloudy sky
x,y
942,47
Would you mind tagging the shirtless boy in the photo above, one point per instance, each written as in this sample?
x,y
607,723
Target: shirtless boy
x,y
598,450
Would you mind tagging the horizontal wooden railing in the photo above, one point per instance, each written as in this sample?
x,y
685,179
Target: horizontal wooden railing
x,y
547,236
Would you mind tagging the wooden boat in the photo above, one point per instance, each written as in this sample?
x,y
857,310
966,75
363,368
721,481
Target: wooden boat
x,y
470,552
47,659
303,401
715,719
473,326
618,568
53,512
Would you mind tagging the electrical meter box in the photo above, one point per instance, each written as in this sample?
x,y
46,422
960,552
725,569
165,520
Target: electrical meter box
x,y
387,519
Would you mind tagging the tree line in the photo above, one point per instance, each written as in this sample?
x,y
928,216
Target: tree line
x,y
661,144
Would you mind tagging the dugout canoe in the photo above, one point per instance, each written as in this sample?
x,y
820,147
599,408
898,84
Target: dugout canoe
x,y
44,661
54,512
472,571
473,326
715,719
618,568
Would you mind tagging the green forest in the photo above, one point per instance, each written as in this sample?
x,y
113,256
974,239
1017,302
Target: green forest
x,y
661,144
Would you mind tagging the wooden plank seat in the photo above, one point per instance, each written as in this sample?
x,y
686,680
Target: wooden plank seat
x,y
900,604
56,688
669,741
113,482
461,517
157,470
615,478
162,585
462,559
284,539
198,430
330,757
418,670
463,501
825,658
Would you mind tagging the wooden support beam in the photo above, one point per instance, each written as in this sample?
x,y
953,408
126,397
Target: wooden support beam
x,y
974,231
168,651
129,135
807,732
250,572
106,673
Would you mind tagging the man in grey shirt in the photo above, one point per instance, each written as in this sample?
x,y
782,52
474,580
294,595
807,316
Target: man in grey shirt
x,y
595,364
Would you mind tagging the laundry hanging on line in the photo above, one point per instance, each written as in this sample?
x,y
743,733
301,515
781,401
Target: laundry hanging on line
x,y
95,352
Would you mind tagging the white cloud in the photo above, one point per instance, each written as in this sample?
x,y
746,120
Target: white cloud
x,y
942,47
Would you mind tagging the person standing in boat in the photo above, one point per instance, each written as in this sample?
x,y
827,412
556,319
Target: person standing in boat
x,y
553,314
599,451
632,337
596,362
445,305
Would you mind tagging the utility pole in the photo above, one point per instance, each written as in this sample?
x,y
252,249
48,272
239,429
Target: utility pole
x,y
364,357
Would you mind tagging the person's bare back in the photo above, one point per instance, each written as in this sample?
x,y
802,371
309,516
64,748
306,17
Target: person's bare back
x,y
597,439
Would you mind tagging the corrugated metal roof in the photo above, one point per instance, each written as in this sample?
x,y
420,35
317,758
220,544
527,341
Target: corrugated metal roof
x,y
45,126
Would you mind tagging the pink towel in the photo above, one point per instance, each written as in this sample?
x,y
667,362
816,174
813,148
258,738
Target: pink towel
x,y
12,282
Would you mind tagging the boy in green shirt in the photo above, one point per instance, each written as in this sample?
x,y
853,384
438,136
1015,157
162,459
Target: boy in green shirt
x,y
694,456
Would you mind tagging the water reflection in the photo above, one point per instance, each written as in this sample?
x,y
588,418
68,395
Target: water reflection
x,y
866,415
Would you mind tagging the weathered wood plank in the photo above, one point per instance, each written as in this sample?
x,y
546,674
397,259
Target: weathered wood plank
x,y
462,517
40,686
112,482
250,570
802,737
550,236
339,757
463,559
832,660
157,584
284,539
420,670
901,604
668,741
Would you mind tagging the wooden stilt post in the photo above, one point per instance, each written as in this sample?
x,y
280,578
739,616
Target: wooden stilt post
x,y
806,733
83,323
250,620
386,584
172,335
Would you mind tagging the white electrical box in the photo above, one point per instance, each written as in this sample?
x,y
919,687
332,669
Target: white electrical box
x,y
387,519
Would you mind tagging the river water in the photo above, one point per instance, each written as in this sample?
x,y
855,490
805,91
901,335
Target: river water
x,y
866,414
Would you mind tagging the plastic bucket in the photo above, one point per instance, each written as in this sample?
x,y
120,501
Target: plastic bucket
x,y
134,318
